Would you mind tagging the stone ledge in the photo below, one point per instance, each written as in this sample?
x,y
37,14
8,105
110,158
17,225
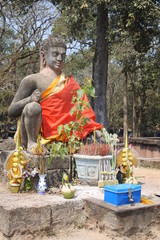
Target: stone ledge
x,y
20,215
55,163
149,162
29,213
145,140
124,219
24,219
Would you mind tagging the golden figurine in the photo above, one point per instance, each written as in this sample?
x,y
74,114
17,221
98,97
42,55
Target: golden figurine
x,y
127,159
15,164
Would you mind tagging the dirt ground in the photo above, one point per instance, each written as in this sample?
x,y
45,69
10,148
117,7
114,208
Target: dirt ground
x,y
150,182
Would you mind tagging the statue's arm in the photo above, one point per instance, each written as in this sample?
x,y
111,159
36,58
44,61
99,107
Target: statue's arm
x,y
25,94
16,108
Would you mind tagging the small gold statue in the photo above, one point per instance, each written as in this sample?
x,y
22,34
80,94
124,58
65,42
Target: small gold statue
x,y
127,158
15,164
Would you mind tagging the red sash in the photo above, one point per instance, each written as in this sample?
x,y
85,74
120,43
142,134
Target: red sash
x,y
56,110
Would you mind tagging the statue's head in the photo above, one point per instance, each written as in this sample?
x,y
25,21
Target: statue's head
x,y
53,52
52,41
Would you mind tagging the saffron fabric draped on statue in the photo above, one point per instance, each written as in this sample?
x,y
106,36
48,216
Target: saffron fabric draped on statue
x,y
56,107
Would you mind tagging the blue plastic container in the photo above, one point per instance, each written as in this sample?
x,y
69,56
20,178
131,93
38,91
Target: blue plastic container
x,y
118,194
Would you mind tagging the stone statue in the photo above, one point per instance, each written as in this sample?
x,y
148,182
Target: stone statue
x,y
44,98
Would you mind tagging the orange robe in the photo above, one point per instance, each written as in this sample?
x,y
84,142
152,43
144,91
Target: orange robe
x,y
56,110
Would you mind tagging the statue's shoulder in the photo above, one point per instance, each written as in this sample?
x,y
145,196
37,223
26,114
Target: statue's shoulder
x,y
31,80
32,77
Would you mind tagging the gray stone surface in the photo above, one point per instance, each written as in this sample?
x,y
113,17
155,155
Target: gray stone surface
x,y
70,213
58,163
21,213
125,219
149,162
54,177
29,219
4,154
30,213
7,144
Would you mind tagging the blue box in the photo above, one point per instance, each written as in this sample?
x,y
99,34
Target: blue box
x,y
118,194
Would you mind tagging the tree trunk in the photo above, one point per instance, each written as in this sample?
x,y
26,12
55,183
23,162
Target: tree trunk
x,y
100,65
134,134
110,106
139,121
125,108
140,116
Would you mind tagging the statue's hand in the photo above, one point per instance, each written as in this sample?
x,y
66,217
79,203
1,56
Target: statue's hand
x,y
36,96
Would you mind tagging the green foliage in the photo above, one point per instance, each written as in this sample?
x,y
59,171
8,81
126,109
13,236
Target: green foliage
x,y
65,179
24,5
5,99
58,149
137,20
28,184
80,65
6,96
79,15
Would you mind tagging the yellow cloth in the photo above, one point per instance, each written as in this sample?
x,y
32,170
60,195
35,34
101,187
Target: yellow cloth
x,y
146,201
17,136
56,86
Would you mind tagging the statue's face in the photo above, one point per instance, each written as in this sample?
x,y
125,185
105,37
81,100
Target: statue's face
x,y
55,58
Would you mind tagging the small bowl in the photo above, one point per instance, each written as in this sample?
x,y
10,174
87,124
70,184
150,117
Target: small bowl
x,y
15,187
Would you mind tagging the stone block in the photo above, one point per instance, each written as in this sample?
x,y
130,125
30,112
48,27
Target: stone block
x,y
3,175
69,213
49,164
53,163
58,163
125,219
54,177
21,220
4,155
149,162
